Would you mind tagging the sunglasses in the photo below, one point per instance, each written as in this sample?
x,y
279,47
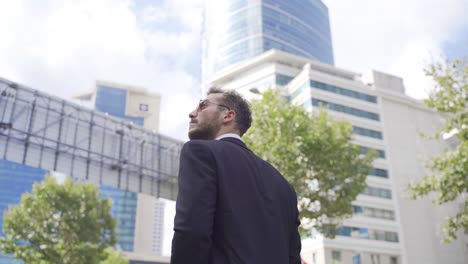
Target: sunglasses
x,y
205,103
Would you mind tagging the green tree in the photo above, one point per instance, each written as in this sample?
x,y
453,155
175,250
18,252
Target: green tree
x,y
449,171
58,223
315,154
114,257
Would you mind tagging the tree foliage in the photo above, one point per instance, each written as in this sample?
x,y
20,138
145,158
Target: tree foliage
x,y
449,171
114,257
315,154
58,223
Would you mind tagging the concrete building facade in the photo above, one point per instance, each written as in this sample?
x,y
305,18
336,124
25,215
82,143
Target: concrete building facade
x,y
384,227
421,220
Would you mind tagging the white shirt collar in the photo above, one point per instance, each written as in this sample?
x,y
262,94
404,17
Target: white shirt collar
x,y
233,135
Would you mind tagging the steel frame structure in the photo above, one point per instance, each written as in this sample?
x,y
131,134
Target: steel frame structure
x,y
47,132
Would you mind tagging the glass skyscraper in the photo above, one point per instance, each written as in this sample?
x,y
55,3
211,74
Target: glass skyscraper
x,y
16,179
124,207
235,30
113,100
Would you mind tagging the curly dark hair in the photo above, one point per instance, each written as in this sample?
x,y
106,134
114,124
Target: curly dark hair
x,y
236,102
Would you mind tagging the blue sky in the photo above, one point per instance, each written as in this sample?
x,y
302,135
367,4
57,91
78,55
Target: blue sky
x,y
62,46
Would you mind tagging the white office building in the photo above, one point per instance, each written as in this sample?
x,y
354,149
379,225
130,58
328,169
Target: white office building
x,y
386,227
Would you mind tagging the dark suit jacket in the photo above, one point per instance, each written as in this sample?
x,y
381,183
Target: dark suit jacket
x,y
233,208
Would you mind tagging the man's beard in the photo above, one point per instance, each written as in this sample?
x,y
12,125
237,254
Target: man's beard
x,y
205,131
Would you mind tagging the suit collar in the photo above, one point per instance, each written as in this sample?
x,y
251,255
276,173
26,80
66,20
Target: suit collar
x,y
232,135
235,141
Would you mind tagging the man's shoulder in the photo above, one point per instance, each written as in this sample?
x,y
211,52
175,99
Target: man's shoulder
x,y
199,145
195,144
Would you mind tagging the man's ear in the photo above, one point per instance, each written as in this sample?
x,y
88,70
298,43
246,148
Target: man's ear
x,y
229,116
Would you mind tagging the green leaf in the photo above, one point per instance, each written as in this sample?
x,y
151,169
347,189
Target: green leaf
x,y
59,223
315,154
449,171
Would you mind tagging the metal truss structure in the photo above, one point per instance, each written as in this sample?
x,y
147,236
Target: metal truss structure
x,y
43,131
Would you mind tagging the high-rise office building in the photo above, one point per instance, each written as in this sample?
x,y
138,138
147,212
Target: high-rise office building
x,y
142,225
41,134
386,227
15,179
237,30
127,102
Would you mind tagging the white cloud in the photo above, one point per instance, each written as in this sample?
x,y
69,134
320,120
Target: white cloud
x,y
62,47
395,36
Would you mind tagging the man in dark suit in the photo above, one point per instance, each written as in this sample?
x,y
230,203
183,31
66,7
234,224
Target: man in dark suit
x,y
232,206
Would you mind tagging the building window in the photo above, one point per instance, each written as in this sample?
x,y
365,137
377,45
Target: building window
x,y
378,192
314,258
346,109
375,258
379,172
343,91
357,259
380,152
299,90
374,212
144,107
336,257
367,132
368,234
283,79
393,260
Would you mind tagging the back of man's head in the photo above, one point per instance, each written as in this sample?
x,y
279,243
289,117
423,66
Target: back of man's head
x,y
238,104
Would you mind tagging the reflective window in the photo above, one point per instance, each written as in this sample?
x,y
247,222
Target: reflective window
x,y
343,91
294,26
374,212
337,90
336,255
113,101
357,259
283,79
124,206
379,172
345,109
367,132
380,152
368,234
15,179
378,192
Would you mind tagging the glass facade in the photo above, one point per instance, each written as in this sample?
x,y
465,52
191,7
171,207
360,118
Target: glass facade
x,y
379,172
124,206
16,179
374,212
345,109
336,90
380,152
283,79
366,233
113,101
367,132
356,259
378,192
235,30
298,27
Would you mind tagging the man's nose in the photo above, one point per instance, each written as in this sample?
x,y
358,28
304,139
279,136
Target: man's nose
x,y
193,113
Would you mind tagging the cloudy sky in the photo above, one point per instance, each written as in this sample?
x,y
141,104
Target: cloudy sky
x,y
62,46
